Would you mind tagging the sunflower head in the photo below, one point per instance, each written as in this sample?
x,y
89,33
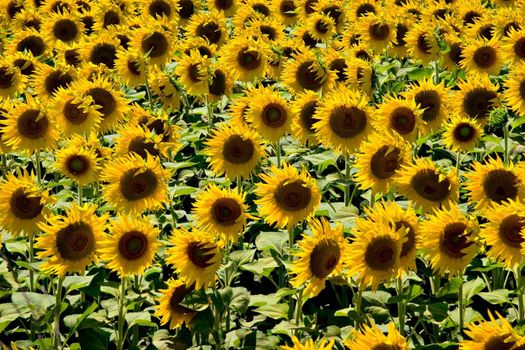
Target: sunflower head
x,y
81,165
400,117
492,334
461,134
373,338
303,110
307,72
170,309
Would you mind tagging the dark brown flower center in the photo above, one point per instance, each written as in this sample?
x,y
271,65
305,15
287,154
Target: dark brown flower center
x,y
26,66
72,57
137,183
177,297
237,150
156,44
500,185
334,12
187,9
403,120
293,196
32,125
223,4
201,254
226,211
385,162
77,164
423,44
218,83
33,44
324,258
56,80
339,66
510,230
307,76
248,59
142,146
287,8
262,9
401,31
65,30
309,6
134,67
210,31
384,346
347,122
487,32
104,99
309,40
456,53
497,342
6,78
522,89
430,103
24,207
380,254
464,132
159,8
379,31
511,25
365,9
111,18
470,17
133,245
478,103
485,57
410,234
274,115
88,22
307,116
75,241
519,48
428,185
454,240
104,54
14,8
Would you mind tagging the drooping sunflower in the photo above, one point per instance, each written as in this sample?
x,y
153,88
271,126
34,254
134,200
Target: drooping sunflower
x,y
110,100
461,134
169,308
269,113
154,42
221,211
22,203
302,37
494,183
138,140
135,184
514,94
163,87
77,164
235,150
359,73
12,81
426,185
433,100
70,241
378,161
74,114
220,82
513,47
422,43
193,74
448,238
62,27
287,197
303,110
376,31
453,57
306,72
338,61
493,334
157,123
131,67
397,116
320,256
210,26
130,246
321,344
246,58
195,256
482,56
107,14
373,338
344,120
29,127
476,98
47,80
374,255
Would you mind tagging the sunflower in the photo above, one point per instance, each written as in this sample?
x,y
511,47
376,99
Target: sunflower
x,y
338,61
192,71
12,81
422,43
361,8
187,9
374,254
448,238
426,185
154,42
514,94
306,72
195,256
320,26
29,127
57,6
202,45
220,83
461,134
399,45
130,247
482,56
135,184
210,26
62,27
77,164
380,158
453,57
69,55
373,338
162,86
269,114
504,233
303,37
401,117
101,50
29,41
484,28
227,6
160,9
303,110
491,334
124,36
91,143
344,120
287,197
433,100
169,308
110,101
335,9
221,211
246,58
131,67
494,183
107,14
235,151
513,47
138,140
321,344
47,80
22,203
24,61
157,123
286,11
320,256
476,98
359,74
376,31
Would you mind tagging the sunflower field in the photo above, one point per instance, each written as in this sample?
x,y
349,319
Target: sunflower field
x,y
262,174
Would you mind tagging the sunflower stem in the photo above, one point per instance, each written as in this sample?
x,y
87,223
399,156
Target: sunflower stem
x,y
436,73
358,300
401,306
461,307
38,167
121,314
458,164
136,309
31,261
506,141
519,287
4,163
298,311
291,240
58,304
209,110
79,194
148,92
347,180
278,152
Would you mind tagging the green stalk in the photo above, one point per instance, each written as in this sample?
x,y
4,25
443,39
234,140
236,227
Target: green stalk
x,y
80,199
519,287
136,309
58,303
348,166
38,167
209,109
401,307
121,314
148,92
298,311
506,142
278,152
291,240
461,307
359,298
